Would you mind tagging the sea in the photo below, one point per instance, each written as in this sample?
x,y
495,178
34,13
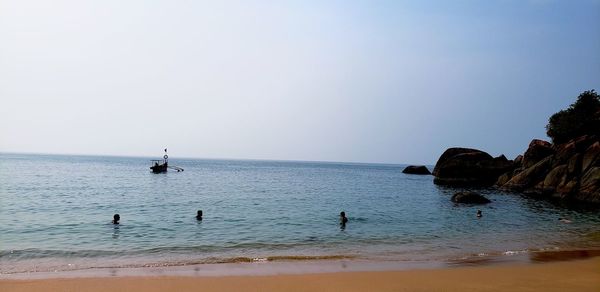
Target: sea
x,y
56,212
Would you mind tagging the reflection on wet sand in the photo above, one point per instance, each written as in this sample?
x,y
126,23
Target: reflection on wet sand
x,y
564,255
524,257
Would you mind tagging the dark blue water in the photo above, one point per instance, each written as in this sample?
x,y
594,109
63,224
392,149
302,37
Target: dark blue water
x,y
55,213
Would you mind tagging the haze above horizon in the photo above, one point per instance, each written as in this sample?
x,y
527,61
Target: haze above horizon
x,y
348,81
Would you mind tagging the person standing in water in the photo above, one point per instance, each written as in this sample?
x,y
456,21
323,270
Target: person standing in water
x,y
116,219
343,219
199,215
479,214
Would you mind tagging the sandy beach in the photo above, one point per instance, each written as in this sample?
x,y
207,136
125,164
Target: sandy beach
x,y
578,275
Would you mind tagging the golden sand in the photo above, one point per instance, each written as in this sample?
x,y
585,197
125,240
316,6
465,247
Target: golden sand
x,y
579,275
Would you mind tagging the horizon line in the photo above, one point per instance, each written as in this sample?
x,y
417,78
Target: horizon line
x,y
217,158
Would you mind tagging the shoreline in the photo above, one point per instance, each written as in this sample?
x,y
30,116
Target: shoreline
x,y
574,275
309,265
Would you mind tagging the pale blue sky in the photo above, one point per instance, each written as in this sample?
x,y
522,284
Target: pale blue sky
x,y
361,81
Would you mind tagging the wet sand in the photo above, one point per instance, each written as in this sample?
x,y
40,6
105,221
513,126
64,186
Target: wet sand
x,y
575,275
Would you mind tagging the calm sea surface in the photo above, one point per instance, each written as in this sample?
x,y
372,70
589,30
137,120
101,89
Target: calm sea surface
x,y
55,214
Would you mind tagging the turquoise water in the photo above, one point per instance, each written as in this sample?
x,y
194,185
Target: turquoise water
x,y
55,214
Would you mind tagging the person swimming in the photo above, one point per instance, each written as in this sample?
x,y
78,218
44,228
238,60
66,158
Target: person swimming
x,y
199,215
343,218
479,214
116,219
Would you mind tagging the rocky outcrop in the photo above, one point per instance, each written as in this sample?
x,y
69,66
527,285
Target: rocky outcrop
x,y
416,169
520,180
537,150
569,171
469,167
518,161
589,186
469,198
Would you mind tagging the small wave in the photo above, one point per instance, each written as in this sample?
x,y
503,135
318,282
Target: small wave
x,y
143,262
515,252
304,258
32,253
281,258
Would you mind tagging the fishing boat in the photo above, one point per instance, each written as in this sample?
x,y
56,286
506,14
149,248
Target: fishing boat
x,y
160,166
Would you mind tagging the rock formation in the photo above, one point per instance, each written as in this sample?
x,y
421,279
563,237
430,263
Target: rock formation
x,y
416,169
567,171
469,167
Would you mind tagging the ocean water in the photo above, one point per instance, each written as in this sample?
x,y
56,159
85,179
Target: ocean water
x,y
56,212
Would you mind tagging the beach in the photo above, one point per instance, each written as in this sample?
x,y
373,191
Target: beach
x,y
300,146
576,275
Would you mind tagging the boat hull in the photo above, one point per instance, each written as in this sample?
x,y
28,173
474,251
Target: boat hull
x,y
159,168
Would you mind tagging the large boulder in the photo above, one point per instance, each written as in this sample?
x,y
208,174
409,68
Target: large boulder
x,y
469,167
537,150
518,160
416,169
591,156
574,164
557,176
529,177
589,186
504,178
469,198
449,153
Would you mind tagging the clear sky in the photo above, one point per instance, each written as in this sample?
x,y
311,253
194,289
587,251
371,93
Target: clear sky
x,y
360,81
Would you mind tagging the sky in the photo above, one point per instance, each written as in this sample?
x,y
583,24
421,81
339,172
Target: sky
x,y
352,81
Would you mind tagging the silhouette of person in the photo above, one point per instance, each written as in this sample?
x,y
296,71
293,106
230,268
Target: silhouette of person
x,y
479,214
199,215
343,219
116,219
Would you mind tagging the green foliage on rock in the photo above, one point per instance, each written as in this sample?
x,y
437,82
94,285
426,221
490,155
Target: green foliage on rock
x,y
581,118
